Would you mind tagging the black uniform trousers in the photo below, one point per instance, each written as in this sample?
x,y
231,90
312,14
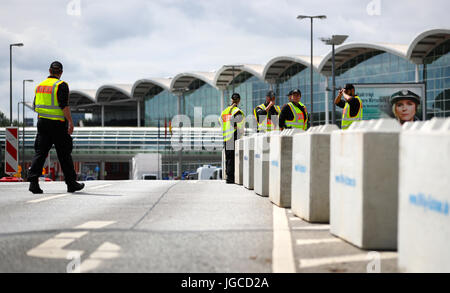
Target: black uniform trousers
x,y
229,159
49,133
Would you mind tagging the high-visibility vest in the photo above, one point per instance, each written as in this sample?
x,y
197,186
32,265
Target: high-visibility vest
x,y
299,121
266,124
46,101
227,125
347,120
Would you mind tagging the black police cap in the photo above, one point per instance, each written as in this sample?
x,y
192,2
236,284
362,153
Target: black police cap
x,y
56,65
270,94
297,91
349,86
290,93
404,95
235,96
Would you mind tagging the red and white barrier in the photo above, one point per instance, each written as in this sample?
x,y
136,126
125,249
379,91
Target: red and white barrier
x,y
11,150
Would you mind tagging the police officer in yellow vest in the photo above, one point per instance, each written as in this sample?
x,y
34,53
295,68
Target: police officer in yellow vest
x,y
232,119
352,104
267,114
54,127
294,113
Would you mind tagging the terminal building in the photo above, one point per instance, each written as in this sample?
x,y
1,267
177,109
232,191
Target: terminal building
x,y
150,103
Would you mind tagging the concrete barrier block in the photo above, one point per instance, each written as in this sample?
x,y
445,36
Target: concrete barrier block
x,y
310,174
417,125
364,184
239,161
249,158
281,167
224,165
424,199
433,124
262,163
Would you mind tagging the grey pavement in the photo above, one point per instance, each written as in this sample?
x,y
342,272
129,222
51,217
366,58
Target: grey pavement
x,y
159,226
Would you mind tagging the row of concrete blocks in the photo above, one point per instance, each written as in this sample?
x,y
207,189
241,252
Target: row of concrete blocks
x,y
380,185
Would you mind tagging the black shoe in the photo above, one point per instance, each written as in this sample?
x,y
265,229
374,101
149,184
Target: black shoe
x,y
75,186
230,182
34,187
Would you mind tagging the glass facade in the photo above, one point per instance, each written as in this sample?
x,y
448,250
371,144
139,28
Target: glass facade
x,y
161,107
369,67
251,89
373,67
437,72
202,95
298,76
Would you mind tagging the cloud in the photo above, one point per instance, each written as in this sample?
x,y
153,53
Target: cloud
x,y
122,41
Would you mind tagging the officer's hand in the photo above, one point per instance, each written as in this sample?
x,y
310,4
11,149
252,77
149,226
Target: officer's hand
x,y
70,129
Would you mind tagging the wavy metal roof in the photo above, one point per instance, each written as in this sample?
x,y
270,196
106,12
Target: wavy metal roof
x,y
146,85
419,48
110,93
184,80
224,75
80,98
348,51
278,65
425,42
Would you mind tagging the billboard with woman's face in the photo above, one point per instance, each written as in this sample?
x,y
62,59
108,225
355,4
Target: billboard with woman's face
x,y
403,101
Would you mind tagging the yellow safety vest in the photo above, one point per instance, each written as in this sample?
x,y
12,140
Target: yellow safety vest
x,y
266,124
299,121
227,127
347,120
46,101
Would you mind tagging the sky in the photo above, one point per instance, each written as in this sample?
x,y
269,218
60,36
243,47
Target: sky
x,y
108,41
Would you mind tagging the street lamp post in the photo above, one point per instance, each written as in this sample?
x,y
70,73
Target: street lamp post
x,y
10,79
333,41
233,70
311,67
23,125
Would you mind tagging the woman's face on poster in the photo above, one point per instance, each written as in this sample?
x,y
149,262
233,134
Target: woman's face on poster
x,y
406,110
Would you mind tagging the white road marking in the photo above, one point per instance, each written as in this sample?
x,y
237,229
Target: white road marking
x,y
53,247
48,198
100,186
74,235
317,241
94,224
295,219
315,262
105,251
282,254
312,228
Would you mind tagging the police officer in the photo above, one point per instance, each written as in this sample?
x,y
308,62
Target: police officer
x,y
54,127
352,104
232,119
294,113
267,114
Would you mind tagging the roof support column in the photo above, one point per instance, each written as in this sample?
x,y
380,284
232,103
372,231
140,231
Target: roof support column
x,y
326,101
417,73
103,115
222,101
138,113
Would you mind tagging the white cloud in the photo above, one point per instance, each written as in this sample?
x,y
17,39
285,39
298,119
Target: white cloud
x,y
122,41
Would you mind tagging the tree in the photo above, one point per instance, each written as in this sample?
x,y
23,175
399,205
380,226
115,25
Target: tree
x,y
4,121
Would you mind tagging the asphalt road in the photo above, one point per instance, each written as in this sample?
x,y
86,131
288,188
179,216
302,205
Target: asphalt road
x,y
165,226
